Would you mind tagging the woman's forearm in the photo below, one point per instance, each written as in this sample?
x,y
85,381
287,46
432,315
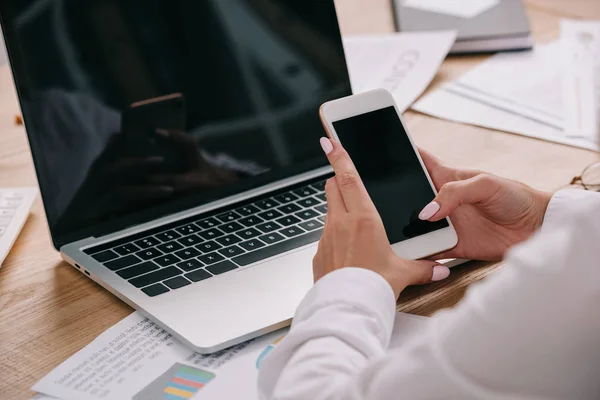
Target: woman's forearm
x,y
529,331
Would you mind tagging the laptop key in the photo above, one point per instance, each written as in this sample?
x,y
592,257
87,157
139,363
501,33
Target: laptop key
x,y
137,270
266,204
322,219
208,223
268,227
169,247
190,265
289,208
308,202
272,238
168,236
248,233
270,215
322,208
155,290
207,247
286,198
148,254
177,282
156,276
288,220
198,276
307,214
166,260
278,248
311,225
146,242
247,210
211,258
122,262
229,240
221,267
305,191
186,254
251,221
231,227
292,231
252,244
188,229
190,240
320,186
105,256
128,248
228,217
231,251
211,234
322,197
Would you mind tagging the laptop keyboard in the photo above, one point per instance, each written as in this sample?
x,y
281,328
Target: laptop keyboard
x,y
198,248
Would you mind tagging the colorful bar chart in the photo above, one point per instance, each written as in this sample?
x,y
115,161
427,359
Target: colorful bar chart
x,y
180,382
186,382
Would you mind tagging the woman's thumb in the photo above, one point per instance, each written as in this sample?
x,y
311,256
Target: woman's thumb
x,y
454,194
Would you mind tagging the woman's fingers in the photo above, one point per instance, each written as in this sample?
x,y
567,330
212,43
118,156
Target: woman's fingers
x,y
335,202
454,194
423,271
349,183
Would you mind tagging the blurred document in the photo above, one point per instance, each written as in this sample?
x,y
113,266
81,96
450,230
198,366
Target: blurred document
x,y
455,8
580,55
512,92
137,360
403,63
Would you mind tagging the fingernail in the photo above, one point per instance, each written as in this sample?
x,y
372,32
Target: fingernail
x,y
439,273
162,132
429,211
326,145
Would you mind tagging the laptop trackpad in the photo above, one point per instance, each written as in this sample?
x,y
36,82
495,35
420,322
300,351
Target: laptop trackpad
x,y
240,304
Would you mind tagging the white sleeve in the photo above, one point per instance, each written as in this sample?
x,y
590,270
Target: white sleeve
x,y
531,331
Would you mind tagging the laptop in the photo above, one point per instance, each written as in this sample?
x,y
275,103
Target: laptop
x,y
176,149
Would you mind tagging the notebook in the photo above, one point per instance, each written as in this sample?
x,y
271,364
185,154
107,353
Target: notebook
x,y
482,25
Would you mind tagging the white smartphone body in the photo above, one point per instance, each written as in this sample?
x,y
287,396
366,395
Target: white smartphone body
x,y
370,128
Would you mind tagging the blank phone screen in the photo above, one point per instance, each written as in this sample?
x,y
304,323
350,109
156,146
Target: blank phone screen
x,y
390,170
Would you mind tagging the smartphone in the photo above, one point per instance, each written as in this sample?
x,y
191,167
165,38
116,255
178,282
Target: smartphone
x,y
370,128
140,121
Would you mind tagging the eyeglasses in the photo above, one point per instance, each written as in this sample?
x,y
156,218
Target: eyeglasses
x,y
589,178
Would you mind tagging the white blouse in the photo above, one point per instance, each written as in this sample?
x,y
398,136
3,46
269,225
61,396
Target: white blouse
x,y
530,331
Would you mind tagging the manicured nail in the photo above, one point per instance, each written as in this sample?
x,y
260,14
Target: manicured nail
x,y
439,273
326,145
429,211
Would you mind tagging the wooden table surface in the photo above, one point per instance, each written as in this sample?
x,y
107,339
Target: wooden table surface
x,y
48,310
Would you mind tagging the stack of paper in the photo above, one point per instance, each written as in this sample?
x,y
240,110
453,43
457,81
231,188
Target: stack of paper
x,y
513,92
403,63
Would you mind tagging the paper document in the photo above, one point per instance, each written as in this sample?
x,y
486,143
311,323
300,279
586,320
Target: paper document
x,y
136,359
513,92
403,63
580,55
455,8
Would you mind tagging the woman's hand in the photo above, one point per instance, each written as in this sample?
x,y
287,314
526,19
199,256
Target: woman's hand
x,y
490,214
354,235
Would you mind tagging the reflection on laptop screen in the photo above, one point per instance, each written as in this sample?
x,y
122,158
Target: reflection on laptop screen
x,y
137,109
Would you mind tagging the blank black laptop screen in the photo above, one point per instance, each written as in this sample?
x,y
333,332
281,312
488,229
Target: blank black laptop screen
x,y
137,109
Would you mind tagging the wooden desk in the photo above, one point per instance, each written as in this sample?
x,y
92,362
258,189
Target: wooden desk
x,y
48,310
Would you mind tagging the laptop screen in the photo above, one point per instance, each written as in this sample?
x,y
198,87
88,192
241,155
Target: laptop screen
x,y
138,109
